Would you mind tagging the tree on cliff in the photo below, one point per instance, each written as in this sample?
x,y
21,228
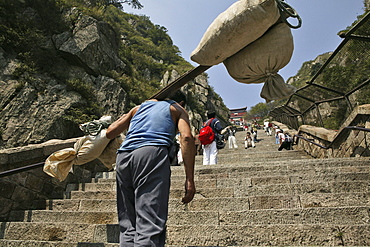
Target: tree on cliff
x,y
116,3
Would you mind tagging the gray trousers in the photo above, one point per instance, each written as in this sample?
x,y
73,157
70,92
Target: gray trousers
x,y
143,185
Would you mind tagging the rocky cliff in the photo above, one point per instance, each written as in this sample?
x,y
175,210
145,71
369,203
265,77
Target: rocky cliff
x,y
61,77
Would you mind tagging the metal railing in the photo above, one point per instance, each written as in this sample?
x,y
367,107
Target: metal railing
x,y
343,132
21,169
340,84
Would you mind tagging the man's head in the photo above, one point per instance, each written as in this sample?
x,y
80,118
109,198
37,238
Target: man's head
x,y
179,97
211,114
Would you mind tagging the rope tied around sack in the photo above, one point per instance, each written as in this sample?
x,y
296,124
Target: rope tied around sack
x,y
287,11
268,73
93,128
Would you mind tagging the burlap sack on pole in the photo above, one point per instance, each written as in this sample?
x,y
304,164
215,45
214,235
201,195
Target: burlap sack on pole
x,y
241,24
59,163
86,149
91,147
261,60
109,155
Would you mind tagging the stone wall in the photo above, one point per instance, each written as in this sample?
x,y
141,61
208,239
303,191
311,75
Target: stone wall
x,y
341,143
31,189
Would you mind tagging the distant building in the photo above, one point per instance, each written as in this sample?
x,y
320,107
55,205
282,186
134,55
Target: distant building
x,y
237,116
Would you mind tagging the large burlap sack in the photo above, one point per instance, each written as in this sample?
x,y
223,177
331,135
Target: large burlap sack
x,y
241,24
109,154
86,149
90,147
261,60
59,163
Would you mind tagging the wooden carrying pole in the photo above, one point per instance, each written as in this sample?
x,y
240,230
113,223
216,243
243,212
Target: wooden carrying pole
x,y
179,82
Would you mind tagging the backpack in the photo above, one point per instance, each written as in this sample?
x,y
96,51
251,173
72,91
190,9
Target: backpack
x,y
206,134
288,138
220,141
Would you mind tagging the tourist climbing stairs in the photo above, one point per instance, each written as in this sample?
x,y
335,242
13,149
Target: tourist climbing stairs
x,y
253,197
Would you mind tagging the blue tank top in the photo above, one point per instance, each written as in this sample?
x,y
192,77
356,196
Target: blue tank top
x,y
152,125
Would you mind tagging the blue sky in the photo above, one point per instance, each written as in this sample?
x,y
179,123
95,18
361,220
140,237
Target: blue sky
x,y
186,22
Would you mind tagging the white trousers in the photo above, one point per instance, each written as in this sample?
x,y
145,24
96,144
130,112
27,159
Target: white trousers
x,y
249,143
210,152
232,142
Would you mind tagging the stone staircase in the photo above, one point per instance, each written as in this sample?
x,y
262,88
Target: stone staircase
x,y
253,197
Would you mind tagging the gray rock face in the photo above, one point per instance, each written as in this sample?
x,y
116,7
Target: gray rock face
x,y
90,44
30,116
38,107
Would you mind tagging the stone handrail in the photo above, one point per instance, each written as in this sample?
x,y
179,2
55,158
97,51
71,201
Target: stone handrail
x,y
342,142
31,189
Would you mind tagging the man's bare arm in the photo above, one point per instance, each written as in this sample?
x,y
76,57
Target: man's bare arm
x,y
120,125
188,153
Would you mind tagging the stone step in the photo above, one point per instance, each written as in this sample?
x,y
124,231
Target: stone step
x,y
228,203
248,179
269,235
28,243
277,168
201,234
315,215
269,171
245,159
78,217
260,151
303,188
319,216
277,165
263,156
243,191
61,232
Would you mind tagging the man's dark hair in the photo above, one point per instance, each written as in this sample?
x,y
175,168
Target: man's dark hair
x,y
211,114
179,97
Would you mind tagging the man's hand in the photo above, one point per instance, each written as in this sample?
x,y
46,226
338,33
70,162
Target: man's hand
x,y
189,191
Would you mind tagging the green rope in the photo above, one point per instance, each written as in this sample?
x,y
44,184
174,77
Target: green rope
x,y
287,11
93,128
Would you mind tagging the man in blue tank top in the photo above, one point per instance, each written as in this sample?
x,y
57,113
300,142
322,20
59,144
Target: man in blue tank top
x,y
143,169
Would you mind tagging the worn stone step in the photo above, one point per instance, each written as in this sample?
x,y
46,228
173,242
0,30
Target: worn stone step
x,y
95,205
60,232
270,235
29,243
202,235
250,179
263,153
176,193
243,191
261,156
274,202
228,203
319,216
281,168
315,215
303,188
276,165
78,217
